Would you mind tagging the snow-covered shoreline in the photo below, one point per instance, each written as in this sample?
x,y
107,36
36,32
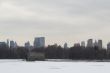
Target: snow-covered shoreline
x,y
53,60
20,66
69,60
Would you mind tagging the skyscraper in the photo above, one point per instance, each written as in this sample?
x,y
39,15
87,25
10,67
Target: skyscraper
x,y
108,48
27,45
108,45
16,44
8,43
100,44
65,46
90,43
3,44
39,42
82,44
13,44
95,44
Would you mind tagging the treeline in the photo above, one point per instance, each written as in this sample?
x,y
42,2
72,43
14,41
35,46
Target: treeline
x,y
76,53
57,52
13,53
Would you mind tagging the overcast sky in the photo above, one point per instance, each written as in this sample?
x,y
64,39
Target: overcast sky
x,y
59,21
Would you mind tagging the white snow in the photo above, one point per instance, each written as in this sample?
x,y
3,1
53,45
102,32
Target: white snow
x,y
19,66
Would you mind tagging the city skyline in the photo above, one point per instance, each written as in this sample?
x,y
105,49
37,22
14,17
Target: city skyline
x,y
59,21
41,42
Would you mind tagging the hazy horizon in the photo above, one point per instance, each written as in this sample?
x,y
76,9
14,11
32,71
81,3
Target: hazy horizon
x,y
59,21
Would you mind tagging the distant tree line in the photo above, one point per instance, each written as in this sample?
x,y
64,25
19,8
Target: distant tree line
x,y
56,52
76,53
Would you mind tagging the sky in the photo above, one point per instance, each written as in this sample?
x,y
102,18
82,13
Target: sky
x,y
59,21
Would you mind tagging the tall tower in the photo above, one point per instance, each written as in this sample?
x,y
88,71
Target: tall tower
x,y
8,43
95,44
108,48
100,44
65,46
39,42
12,44
27,45
90,43
108,45
83,44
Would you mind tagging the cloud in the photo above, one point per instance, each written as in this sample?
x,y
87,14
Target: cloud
x,y
69,18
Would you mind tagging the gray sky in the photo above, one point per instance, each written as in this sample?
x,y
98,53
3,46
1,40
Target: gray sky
x,y
58,20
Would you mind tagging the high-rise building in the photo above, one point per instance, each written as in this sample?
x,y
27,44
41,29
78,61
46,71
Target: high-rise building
x,y
3,44
39,42
27,45
108,48
95,44
13,44
65,46
90,43
16,44
100,44
83,44
108,45
8,43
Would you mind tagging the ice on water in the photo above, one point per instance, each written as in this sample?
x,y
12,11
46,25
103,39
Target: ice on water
x,y
19,66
